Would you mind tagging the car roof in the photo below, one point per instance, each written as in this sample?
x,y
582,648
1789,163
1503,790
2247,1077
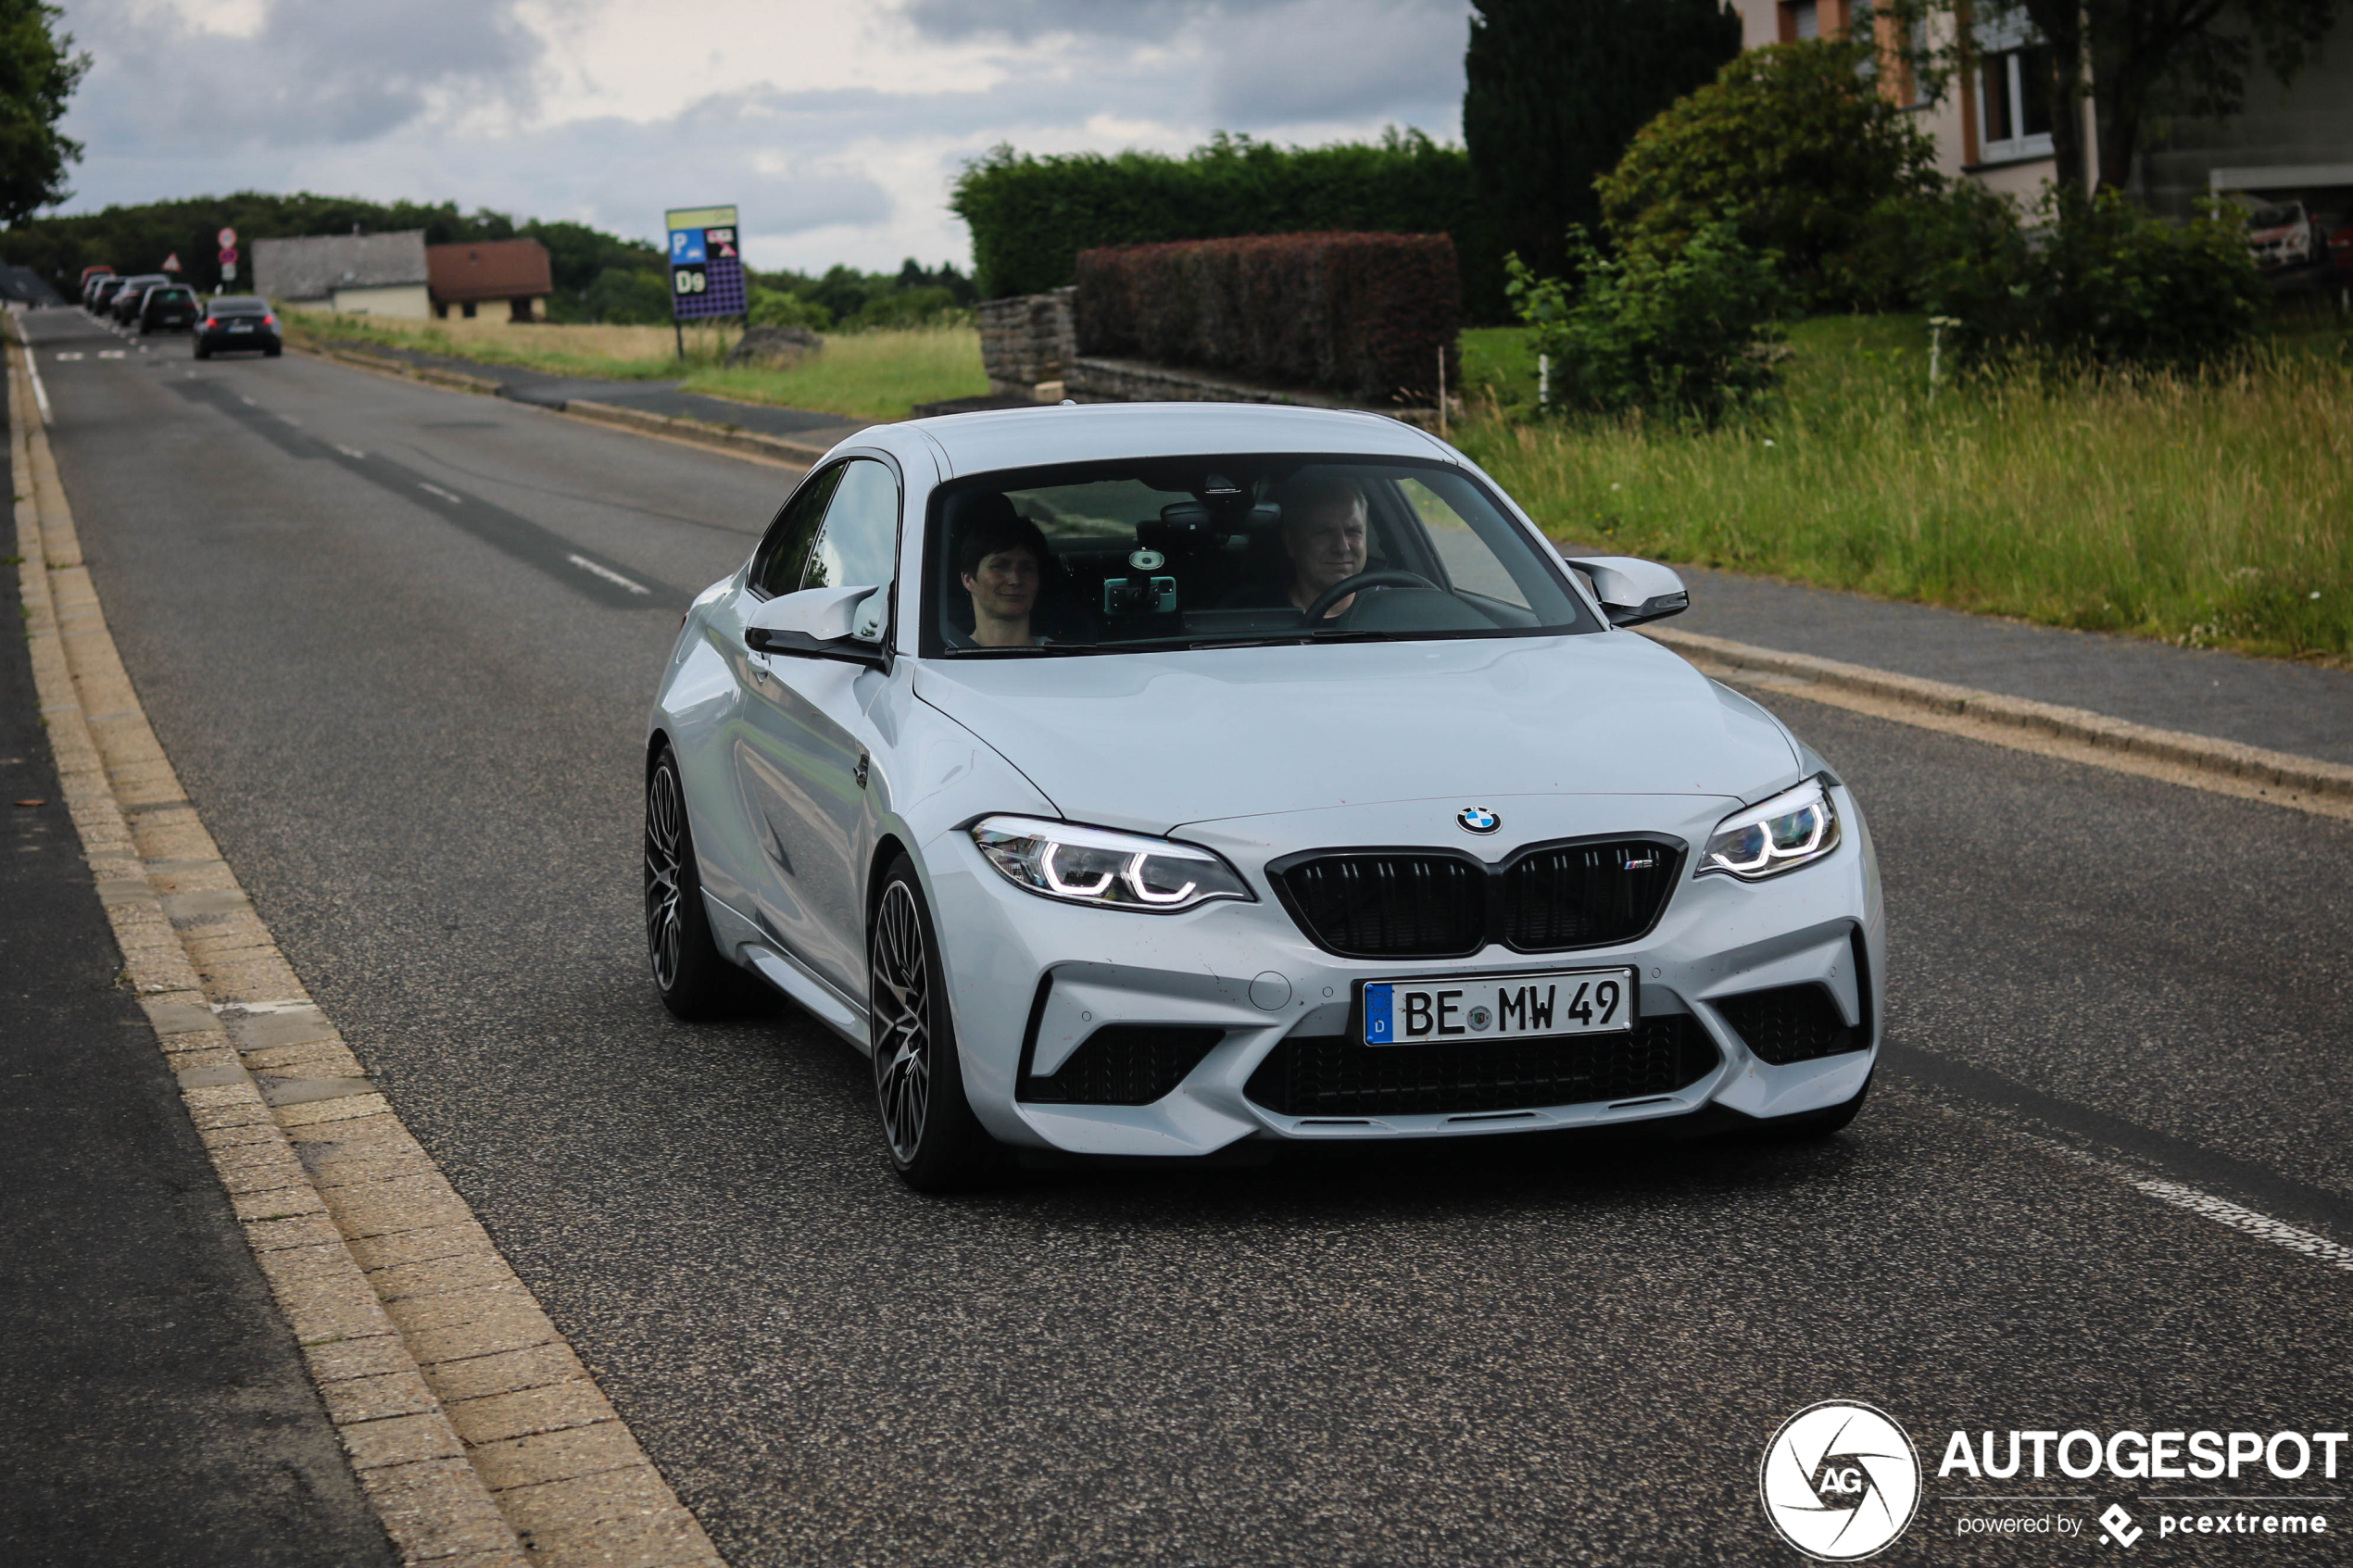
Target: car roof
x,y
1008,438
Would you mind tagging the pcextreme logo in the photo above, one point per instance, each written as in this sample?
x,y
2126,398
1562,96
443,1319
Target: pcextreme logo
x,y
1839,1480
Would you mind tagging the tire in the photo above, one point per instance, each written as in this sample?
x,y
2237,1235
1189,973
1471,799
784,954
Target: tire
x,y
1823,1123
203,353
936,1142
695,982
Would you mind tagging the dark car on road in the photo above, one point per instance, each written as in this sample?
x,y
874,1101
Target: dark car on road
x,y
101,293
169,307
236,322
132,294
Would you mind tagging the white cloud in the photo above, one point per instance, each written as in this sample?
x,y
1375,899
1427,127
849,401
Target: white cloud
x,y
837,128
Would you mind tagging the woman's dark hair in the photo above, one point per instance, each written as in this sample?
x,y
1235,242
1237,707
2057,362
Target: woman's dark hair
x,y
993,525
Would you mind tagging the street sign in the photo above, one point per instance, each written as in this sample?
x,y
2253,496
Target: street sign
x,y
228,239
228,261
171,262
706,263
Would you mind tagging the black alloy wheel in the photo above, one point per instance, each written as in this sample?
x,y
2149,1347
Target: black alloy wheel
x,y
694,980
936,1142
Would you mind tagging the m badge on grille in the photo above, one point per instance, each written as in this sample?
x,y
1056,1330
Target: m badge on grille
x,y
1477,819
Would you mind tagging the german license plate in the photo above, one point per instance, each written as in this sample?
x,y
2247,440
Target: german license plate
x,y
1498,1007
239,327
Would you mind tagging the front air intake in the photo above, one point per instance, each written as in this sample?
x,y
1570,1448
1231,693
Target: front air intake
x,y
1124,1064
1790,1023
1331,1075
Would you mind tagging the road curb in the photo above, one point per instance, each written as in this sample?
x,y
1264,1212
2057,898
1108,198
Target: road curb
x,y
696,433
471,1426
2296,779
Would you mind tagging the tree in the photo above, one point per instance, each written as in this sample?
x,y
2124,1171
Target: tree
x,y
1796,143
37,75
1558,88
2138,59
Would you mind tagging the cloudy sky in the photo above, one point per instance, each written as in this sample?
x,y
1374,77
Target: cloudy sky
x,y
835,127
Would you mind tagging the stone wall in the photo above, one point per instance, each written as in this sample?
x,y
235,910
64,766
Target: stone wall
x,y
1026,340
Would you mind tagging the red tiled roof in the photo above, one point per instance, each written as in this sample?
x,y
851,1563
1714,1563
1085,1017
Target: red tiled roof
x,y
488,269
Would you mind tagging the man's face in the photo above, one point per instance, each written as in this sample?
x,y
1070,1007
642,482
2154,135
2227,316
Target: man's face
x,y
1327,545
1004,586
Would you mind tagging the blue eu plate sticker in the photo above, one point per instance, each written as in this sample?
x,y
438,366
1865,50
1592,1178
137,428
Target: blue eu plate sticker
x,y
1378,1028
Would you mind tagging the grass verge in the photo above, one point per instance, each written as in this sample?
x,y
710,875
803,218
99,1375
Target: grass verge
x,y
2205,512
867,375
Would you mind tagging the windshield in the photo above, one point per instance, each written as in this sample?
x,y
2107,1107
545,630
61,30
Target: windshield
x,y
2273,217
1193,552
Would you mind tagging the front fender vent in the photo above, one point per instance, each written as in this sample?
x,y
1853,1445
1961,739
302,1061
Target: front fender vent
x,y
1790,1023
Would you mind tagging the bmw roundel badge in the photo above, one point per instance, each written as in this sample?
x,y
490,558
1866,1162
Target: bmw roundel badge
x,y
1477,819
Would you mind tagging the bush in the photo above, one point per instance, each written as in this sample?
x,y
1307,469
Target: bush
x,y
2097,279
775,307
1030,217
1687,334
627,296
906,308
1795,143
1362,315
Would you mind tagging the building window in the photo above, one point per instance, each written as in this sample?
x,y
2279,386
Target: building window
x,y
468,308
1805,19
2013,101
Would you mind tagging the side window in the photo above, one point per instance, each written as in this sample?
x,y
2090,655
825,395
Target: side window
x,y
858,547
785,552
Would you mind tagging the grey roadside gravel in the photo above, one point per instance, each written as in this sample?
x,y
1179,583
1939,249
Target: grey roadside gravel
x,y
422,756
2303,709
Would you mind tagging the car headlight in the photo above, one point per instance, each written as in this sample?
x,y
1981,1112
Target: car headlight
x,y
1115,870
1792,829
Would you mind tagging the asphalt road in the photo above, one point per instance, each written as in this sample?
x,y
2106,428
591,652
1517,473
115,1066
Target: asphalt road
x,y
413,723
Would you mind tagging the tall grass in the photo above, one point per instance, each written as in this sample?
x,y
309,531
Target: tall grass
x,y
2210,512
876,374
880,374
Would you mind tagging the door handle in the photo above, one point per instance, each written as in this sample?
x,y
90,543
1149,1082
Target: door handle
x,y
864,760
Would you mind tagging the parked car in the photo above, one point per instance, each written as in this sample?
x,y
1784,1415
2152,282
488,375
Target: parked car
x,y
2284,234
237,323
90,278
1150,780
101,293
133,293
168,307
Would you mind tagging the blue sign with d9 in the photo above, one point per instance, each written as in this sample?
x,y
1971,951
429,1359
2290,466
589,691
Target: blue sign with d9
x,y
706,263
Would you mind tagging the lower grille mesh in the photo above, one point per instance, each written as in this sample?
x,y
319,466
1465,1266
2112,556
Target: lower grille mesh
x,y
1124,1064
1790,1023
1331,1075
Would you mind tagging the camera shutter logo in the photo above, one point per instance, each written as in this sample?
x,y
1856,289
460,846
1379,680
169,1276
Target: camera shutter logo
x,y
1840,1481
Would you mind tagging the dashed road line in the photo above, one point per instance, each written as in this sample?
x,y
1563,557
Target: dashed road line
x,y
354,453
475,1431
449,495
608,573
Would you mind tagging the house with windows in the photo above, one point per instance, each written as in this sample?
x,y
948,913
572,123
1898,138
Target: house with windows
x,y
350,274
514,273
2291,142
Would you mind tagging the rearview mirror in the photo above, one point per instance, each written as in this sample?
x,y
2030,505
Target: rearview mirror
x,y
821,621
1632,590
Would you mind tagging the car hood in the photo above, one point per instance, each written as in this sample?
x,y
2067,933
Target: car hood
x,y
1150,741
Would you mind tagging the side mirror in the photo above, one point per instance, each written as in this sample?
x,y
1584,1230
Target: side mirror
x,y
1632,590
821,621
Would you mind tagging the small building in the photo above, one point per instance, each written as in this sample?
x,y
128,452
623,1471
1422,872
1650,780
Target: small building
x,y
350,274
468,277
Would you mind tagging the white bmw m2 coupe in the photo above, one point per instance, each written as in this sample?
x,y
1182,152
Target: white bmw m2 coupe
x,y
1141,779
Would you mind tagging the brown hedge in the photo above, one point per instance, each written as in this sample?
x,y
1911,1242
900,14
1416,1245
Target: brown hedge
x,y
1361,315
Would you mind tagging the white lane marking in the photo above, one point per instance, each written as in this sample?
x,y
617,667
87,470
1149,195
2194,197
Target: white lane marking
x,y
349,451
451,496
247,401
292,420
2222,1210
39,393
110,354
75,355
608,573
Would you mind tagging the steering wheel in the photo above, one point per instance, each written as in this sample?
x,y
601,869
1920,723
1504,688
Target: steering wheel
x,y
1386,577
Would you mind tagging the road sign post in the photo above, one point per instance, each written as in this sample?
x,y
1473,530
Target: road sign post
x,y
706,268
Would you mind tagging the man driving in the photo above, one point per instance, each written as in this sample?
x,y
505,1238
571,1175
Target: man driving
x,y
1001,558
1325,534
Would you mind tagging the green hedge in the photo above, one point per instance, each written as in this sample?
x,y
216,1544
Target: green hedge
x,y
1030,217
1362,315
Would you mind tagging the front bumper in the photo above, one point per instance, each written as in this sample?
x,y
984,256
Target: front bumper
x,y
1030,980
